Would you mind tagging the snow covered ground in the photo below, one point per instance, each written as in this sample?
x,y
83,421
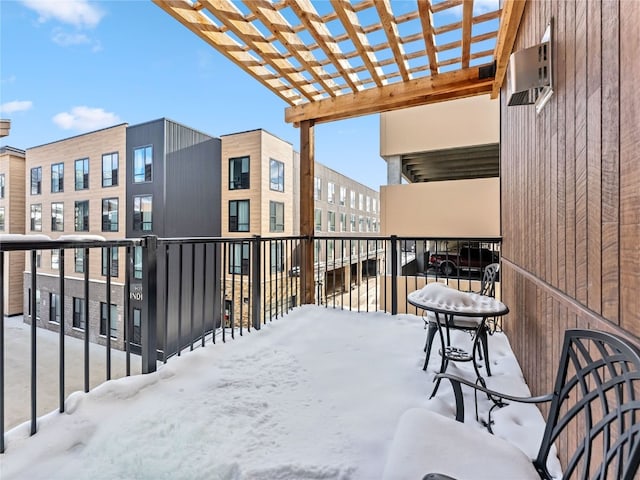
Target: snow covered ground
x,y
314,395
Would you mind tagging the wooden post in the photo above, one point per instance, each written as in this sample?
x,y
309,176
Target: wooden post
x,y
307,147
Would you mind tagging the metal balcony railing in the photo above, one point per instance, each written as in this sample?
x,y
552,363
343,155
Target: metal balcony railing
x,y
179,293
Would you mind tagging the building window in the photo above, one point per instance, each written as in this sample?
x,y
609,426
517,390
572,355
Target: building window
x,y
57,177
82,174
276,217
1,219
55,259
330,250
239,173
142,213
239,258
143,164
331,192
276,171
239,215
317,188
57,217
54,307
36,181
81,214
318,219
38,304
277,256
368,204
109,214
114,261
2,185
360,201
353,222
110,169
36,218
360,223
78,313
38,258
343,222
331,221
343,196
137,263
104,320
78,260
352,202
137,323
374,206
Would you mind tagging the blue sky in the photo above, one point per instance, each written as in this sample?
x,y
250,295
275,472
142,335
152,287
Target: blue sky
x,y
72,66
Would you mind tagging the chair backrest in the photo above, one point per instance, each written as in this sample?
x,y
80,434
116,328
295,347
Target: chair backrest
x,y
488,284
595,407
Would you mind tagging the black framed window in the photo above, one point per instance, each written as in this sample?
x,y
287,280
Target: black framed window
x,y
79,317
2,185
110,169
317,188
57,217
239,215
78,260
143,164
142,213
1,219
57,177
104,320
318,219
109,214
81,216
276,174
277,256
54,308
36,218
343,222
82,174
137,263
239,173
137,326
114,261
276,217
331,221
36,181
239,258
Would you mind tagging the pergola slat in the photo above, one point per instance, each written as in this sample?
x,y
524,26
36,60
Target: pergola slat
x,y
352,54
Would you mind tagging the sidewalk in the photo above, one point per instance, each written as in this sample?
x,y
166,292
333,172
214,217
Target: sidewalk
x,y
17,369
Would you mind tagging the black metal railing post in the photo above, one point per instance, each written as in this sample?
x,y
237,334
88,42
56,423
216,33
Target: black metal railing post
x,y
394,274
1,352
149,302
255,282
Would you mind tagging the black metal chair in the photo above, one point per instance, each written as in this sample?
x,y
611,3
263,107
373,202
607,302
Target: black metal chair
x,y
596,400
468,324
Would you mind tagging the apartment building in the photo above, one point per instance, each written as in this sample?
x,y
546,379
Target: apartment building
x,y
260,197
121,181
12,219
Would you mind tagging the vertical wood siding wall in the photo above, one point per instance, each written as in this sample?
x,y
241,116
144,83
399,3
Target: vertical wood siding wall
x,y
571,185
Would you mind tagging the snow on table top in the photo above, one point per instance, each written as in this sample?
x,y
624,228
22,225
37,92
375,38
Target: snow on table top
x,y
442,297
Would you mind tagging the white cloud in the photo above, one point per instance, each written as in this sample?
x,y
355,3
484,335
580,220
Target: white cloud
x,y
484,6
16,106
65,39
80,13
85,118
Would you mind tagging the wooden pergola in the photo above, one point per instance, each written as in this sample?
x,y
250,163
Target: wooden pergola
x,y
337,59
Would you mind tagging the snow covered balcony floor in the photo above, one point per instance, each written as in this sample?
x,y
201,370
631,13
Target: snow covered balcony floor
x,y
314,395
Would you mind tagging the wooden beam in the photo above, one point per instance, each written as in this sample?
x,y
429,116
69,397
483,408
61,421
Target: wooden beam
x,y
307,161
351,24
391,29
467,15
512,11
201,25
446,86
309,17
282,30
426,19
229,14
